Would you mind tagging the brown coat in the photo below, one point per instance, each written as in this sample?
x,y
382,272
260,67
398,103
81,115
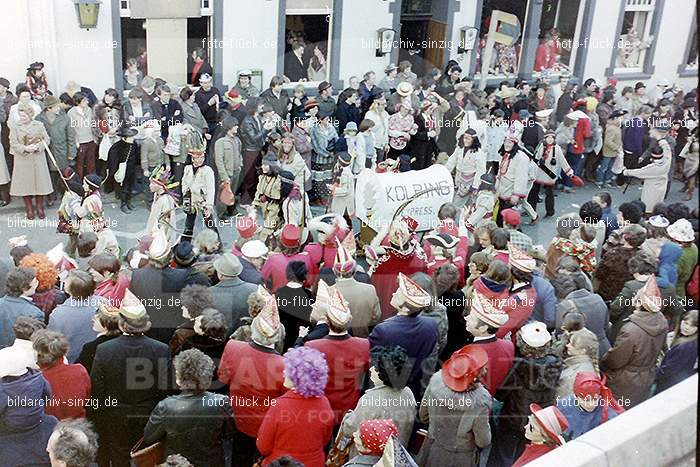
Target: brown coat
x,y
631,363
30,175
363,303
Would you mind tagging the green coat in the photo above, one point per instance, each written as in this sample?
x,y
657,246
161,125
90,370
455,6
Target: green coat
x,y
686,264
62,136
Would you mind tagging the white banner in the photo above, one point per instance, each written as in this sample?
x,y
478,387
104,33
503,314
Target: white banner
x,y
378,196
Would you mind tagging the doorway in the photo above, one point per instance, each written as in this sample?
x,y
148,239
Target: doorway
x,y
133,38
423,34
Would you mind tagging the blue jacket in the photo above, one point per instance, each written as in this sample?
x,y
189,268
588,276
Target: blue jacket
x,y
633,138
677,365
668,264
73,319
580,421
545,309
610,219
10,309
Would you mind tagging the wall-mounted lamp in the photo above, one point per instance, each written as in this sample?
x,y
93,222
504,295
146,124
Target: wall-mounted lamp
x,y
385,36
88,11
467,39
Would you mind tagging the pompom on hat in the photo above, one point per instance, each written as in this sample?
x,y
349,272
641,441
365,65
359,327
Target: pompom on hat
x,y
484,309
375,434
131,307
552,422
413,294
520,260
649,296
681,231
463,367
535,334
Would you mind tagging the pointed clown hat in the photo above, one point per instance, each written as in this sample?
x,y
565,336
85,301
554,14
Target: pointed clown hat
x,y
344,261
131,307
414,295
338,311
267,322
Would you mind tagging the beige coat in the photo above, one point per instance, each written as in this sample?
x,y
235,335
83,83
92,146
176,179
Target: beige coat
x,y
31,171
655,176
572,366
227,155
363,303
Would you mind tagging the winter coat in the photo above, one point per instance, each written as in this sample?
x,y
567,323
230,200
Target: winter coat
x,y
345,113
152,154
70,389
363,302
458,424
612,272
24,428
631,363
572,366
202,98
228,158
513,176
679,363
667,275
12,308
279,104
555,163
655,176
62,135
192,115
595,310
230,298
30,176
686,263
252,133
73,319
296,426
529,380
180,419
546,302
582,421
167,114
500,353
612,144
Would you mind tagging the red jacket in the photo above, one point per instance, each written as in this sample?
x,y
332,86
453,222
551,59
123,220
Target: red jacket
x,y
583,131
296,426
519,307
385,276
348,361
501,353
275,268
532,452
254,375
70,389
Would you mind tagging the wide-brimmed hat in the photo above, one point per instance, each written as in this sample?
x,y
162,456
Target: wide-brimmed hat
x,y
618,113
310,104
681,231
228,265
126,132
658,221
507,93
463,367
254,249
442,240
544,113
36,66
551,420
50,101
404,89
535,334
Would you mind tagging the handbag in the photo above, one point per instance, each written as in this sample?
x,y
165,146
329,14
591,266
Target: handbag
x,y
148,456
226,196
120,174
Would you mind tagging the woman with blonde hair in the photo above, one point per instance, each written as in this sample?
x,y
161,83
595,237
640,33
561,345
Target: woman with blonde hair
x,y
581,354
30,176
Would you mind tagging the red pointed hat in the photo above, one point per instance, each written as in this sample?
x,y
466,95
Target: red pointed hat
x,y
588,384
483,309
344,261
520,260
267,322
410,222
551,420
462,368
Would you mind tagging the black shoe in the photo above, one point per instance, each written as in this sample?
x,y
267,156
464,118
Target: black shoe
x,y
130,206
125,208
549,214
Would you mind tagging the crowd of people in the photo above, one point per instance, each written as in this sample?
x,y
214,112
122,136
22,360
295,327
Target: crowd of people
x,y
303,344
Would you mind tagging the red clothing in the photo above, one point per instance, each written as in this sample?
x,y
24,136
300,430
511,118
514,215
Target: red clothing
x,y
532,452
459,260
501,353
583,131
275,268
385,275
113,291
502,256
195,71
70,385
296,426
519,308
254,375
348,361
544,57
319,252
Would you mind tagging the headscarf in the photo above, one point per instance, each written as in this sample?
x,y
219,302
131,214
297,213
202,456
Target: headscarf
x,y
588,384
376,433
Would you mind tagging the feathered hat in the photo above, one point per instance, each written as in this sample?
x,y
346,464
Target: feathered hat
x,y
163,177
196,144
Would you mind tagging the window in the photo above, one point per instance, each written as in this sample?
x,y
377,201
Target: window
x,y
635,37
500,44
560,25
308,26
416,7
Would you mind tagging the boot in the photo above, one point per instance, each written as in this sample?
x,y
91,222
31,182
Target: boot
x,y
125,208
28,208
5,195
40,206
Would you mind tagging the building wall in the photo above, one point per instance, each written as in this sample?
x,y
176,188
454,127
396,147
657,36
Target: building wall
x,y
250,38
464,16
361,20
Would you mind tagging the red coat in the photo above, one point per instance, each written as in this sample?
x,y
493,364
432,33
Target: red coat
x,y
532,452
348,361
254,375
70,389
544,57
519,307
459,260
275,268
298,427
583,131
501,353
385,276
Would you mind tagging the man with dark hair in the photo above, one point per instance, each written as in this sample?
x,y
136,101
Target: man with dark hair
x,y
168,111
609,217
73,443
200,66
294,302
74,317
20,286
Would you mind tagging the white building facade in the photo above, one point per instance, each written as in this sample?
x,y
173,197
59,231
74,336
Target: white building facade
x,y
632,40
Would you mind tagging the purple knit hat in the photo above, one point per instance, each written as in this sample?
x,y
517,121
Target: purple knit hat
x,y
307,369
